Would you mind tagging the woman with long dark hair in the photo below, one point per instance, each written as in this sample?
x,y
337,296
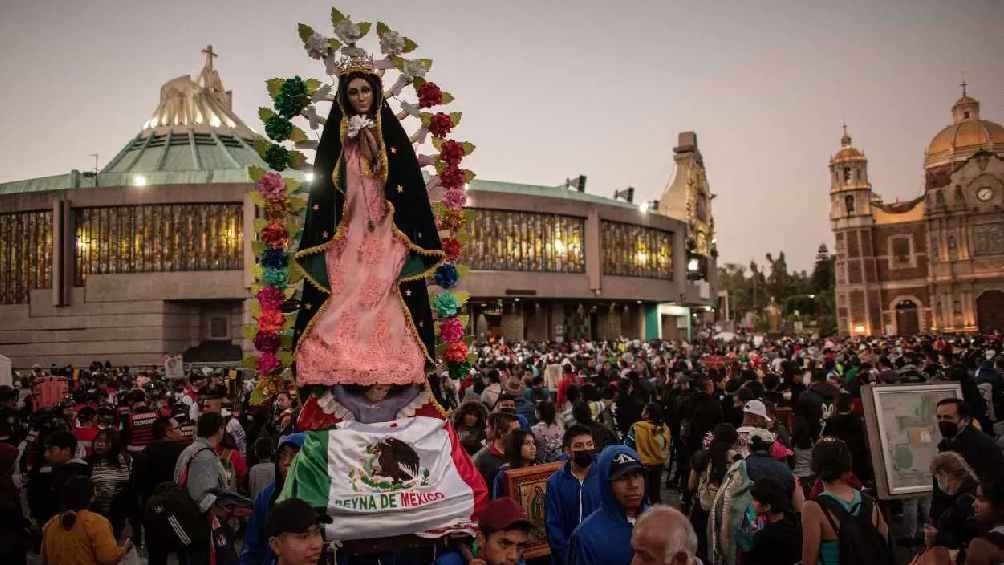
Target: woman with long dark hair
x,y
110,471
520,451
470,422
548,432
831,463
707,471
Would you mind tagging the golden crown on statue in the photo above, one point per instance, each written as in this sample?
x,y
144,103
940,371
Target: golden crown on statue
x,y
360,63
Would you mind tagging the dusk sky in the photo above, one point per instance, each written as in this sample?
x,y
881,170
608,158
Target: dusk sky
x,y
553,89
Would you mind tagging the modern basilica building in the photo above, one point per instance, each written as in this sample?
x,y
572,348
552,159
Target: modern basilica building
x,y
151,255
934,263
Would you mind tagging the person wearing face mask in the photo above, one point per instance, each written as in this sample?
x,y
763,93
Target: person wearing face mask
x,y
955,525
604,537
975,446
572,491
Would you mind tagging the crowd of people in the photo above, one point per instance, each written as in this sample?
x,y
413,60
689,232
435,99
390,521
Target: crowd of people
x,y
748,451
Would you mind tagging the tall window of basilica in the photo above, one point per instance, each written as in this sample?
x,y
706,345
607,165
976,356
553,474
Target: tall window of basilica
x,y
25,254
157,238
636,251
507,240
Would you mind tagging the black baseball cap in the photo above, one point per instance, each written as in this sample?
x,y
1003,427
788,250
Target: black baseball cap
x,y
293,516
624,463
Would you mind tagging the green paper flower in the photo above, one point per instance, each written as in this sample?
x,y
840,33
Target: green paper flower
x,y
277,157
278,128
275,277
446,305
292,97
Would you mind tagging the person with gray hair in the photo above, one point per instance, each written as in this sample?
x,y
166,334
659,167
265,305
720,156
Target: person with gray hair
x,y
664,536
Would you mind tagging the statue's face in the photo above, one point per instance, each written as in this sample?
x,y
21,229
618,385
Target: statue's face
x,y
360,95
376,393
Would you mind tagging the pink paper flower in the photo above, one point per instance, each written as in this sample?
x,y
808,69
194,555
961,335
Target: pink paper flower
x,y
455,199
267,363
451,330
271,186
271,298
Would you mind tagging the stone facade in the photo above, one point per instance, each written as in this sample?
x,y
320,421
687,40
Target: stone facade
x,y
934,263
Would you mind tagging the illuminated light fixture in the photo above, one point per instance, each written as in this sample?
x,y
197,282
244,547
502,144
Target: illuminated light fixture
x,y
309,177
138,180
692,264
559,246
643,207
812,297
860,328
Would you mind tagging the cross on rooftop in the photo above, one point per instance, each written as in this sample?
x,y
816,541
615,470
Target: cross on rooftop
x,y
210,55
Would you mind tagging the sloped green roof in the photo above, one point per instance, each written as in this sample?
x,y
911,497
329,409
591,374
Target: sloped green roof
x,y
184,149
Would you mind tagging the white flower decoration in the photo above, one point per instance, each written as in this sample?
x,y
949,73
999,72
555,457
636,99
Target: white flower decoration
x,y
348,31
391,43
316,46
357,123
414,69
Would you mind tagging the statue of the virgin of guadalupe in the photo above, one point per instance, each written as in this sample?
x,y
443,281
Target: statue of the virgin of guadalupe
x,y
369,241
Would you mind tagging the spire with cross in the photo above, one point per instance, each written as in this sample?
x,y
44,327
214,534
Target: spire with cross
x,y
210,55
846,139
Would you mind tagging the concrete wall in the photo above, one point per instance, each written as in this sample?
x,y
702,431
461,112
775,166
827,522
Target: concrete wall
x,y
125,319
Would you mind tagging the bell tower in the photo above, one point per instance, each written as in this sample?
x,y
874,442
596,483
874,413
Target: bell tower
x,y
850,190
858,311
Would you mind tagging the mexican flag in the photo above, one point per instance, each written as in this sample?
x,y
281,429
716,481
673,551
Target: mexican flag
x,y
405,476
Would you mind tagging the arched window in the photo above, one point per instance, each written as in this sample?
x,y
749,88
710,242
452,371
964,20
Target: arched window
x,y
847,174
849,204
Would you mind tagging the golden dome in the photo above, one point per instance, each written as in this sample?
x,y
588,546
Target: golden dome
x,y
847,154
847,151
967,135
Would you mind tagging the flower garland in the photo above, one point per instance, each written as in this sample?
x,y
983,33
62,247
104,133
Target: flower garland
x,y
281,200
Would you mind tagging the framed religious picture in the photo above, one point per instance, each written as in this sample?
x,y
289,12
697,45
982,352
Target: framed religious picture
x,y
903,434
528,487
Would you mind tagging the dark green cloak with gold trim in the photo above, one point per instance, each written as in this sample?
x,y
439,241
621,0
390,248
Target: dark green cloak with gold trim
x,y
414,223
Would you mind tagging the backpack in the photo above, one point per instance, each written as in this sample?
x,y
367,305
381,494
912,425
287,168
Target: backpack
x,y
859,540
172,518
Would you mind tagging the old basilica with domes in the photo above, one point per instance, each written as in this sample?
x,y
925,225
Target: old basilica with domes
x,y
934,263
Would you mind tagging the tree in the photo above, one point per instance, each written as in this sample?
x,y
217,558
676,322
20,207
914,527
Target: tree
x,y
750,288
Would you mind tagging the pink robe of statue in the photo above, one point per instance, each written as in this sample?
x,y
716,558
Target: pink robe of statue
x,y
362,336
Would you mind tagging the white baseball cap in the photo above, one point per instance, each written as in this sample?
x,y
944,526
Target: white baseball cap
x,y
757,408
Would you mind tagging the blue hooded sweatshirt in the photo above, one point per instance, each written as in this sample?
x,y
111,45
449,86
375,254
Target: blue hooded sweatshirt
x,y
568,503
256,549
604,538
